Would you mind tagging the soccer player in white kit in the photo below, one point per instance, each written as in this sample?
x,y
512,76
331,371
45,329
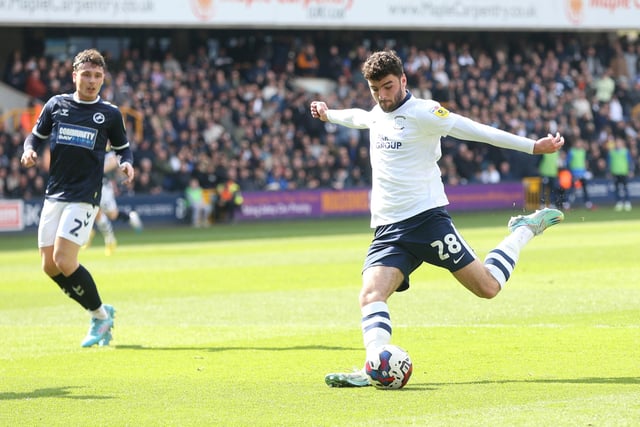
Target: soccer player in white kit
x,y
109,210
408,199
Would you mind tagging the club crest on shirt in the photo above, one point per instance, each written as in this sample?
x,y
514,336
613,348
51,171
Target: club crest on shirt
x,y
398,122
440,111
98,118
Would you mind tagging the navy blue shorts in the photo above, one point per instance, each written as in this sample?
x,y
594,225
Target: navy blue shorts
x,y
427,237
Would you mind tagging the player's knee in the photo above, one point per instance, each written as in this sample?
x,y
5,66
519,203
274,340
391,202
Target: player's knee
x,y
487,290
488,293
48,265
50,269
64,263
369,295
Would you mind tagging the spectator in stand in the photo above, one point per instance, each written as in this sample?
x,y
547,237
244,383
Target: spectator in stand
x,y
161,171
276,179
3,182
509,88
30,115
307,62
465,163
5,156
34,86
505,171
147,182
16,75
631,59
490,174
604,86
593,62
597,162
417,65
13,181
334,67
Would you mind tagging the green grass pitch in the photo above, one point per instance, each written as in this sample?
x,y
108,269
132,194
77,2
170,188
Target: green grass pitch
x,y
237,326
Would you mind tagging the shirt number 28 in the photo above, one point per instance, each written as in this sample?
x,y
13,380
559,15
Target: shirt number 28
x,y
448,245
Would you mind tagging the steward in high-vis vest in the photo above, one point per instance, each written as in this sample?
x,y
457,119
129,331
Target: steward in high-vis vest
x,y
619,161
548,169
227,199
577,164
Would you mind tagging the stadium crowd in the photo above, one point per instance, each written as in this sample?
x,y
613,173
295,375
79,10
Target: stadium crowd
x,y
239,111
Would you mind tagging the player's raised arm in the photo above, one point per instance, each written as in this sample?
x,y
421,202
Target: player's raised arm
x,y
354,118
548,144
319,110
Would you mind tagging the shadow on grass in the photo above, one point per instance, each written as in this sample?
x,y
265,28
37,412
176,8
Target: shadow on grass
x,y
415,387
586,380
56,392
217,349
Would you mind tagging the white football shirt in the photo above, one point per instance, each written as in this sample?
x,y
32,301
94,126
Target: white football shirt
x,y
405,149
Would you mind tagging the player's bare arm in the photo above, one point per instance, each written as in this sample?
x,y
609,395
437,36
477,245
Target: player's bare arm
x,y
548,144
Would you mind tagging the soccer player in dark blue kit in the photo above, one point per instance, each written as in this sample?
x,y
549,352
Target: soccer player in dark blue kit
x,y
77,127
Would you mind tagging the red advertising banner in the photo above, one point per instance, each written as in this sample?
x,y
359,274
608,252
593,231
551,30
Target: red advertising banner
x,y
11,215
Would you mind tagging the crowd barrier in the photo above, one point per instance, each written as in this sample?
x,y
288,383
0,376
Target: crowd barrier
x,y
172,209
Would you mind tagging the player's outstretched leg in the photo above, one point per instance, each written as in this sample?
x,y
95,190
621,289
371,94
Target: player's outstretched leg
x,y
538,221
501,261
135,222
100,329
349,379
110,245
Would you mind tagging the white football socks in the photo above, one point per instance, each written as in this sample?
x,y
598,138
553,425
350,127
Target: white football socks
x,y
376,325
502,260
100,313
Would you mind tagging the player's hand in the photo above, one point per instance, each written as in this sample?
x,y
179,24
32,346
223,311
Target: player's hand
x,y
29,158
319,110
548,144
128,170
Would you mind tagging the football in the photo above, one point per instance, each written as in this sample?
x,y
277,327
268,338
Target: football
x,y
389,367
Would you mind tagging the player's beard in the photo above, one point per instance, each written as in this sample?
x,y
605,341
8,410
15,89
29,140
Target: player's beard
x,y
389,105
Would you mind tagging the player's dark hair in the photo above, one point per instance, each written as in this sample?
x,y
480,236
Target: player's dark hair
x,y
89,55
381,64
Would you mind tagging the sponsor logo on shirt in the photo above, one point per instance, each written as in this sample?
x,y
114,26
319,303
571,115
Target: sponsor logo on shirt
x,y
385,143
78,136
440,111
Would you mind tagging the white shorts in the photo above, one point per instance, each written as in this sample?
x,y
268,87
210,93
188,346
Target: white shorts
x,y
108,199
71,221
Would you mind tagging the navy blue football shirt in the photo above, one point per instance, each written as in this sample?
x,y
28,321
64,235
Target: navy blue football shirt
x,y
78,132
